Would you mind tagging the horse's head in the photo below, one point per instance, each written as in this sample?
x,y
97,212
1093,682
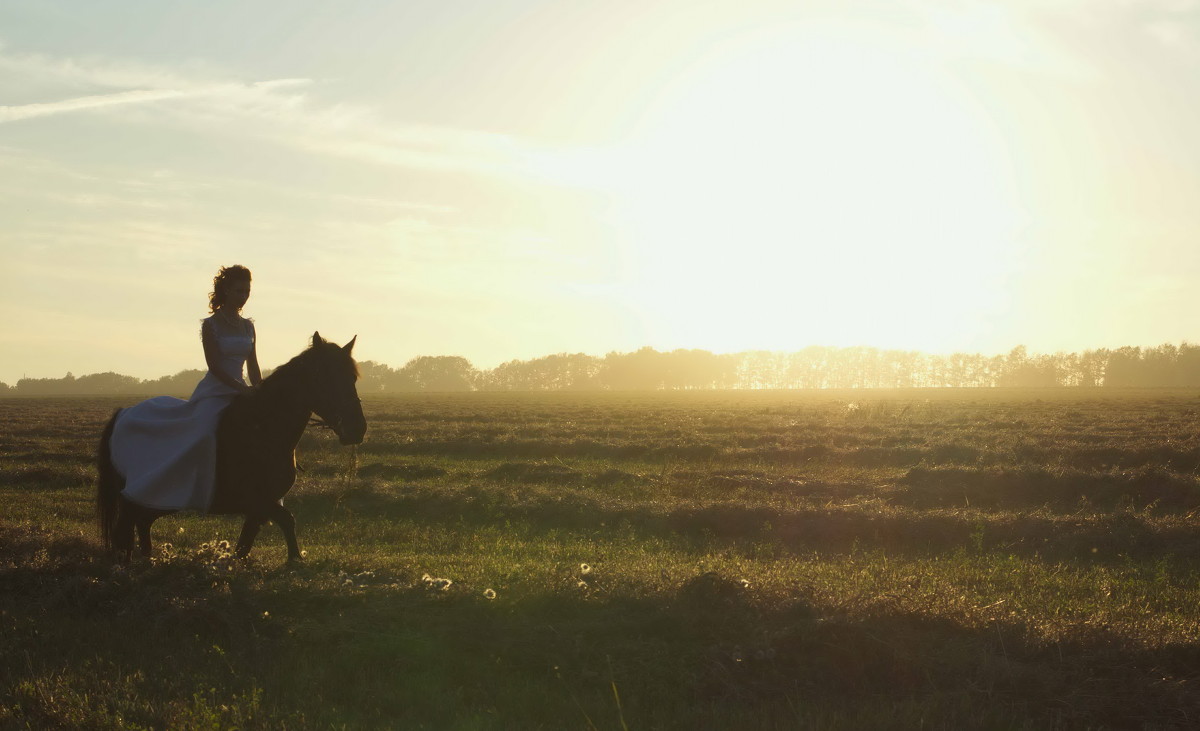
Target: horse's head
x,y
334,396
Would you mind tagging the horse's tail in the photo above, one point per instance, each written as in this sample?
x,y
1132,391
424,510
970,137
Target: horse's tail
x,y
109,484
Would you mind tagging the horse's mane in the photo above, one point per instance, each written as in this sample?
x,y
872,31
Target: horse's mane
x,y
293,370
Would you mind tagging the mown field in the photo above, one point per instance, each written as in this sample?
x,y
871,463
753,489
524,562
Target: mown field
x,y
909,559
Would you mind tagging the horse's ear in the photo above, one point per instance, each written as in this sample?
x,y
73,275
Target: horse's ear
x,y
350,345
317,339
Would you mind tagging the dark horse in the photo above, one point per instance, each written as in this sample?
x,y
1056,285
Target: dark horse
x,y
256,449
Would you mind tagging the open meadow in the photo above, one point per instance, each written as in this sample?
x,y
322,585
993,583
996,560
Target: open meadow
x,y
824,559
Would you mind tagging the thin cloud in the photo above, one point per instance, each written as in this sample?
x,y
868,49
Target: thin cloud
x,y
40,70
114,84
85,103
1007,34
1176,36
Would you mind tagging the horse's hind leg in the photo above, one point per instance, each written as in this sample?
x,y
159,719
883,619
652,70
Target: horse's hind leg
x,y
249,533
122,535
144,519
287,524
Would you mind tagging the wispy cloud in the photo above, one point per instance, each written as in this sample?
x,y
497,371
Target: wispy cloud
x,y
278,111
1078,40
83,103
1010,34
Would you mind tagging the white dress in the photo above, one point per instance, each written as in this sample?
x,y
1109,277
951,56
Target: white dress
x,y
166,448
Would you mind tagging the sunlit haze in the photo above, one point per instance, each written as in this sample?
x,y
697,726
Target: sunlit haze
x,y
510,179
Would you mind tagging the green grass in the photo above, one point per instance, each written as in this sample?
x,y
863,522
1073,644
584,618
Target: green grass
x,y
931,559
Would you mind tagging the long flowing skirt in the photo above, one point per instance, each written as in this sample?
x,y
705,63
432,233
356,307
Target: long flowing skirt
x,y
166,448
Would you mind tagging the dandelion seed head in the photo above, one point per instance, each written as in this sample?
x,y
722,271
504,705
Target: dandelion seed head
x,y
435,583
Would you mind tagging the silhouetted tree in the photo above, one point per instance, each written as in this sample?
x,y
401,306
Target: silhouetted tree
x,y
439,373
904,368
44,386
802,369
180,384
696,369
1092,366
1188,365
638,371
106,383
1022,370
1123,367
763,369
559,372
375,377
648,369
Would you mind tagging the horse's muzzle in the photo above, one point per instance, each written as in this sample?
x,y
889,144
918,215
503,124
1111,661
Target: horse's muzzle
x,y
351,431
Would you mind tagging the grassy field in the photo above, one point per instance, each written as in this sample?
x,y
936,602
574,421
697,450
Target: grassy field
x,y
916,559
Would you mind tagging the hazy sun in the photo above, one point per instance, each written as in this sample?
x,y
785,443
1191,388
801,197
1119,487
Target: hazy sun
x,y
818,185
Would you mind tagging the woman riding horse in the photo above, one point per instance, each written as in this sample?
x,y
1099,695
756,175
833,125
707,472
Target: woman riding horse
x,y
230,448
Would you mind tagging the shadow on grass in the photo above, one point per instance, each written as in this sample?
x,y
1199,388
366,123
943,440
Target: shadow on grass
x,y
181,637
1083,537
765,449
1062,489
509,448
68,473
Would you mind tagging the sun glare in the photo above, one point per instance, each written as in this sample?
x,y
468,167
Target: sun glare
x,y
825,186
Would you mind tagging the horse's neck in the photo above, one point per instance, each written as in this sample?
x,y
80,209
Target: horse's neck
x,y
281,411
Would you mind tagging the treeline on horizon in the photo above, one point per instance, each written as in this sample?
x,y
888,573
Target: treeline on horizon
x,y
815,367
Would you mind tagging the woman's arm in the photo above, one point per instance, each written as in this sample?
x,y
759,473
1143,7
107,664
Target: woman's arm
x,y
252,368
212,356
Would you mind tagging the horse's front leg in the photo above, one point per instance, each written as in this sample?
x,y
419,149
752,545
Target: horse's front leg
x,y
249,533
287,524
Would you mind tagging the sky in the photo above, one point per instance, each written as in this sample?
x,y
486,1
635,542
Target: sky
x,y
507,179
